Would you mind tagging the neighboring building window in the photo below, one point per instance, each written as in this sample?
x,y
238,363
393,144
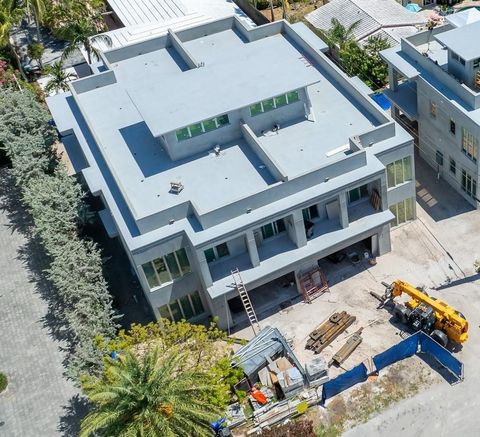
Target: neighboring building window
x,y
453,166
452,127
469,184
272,229
186,308
403,211
455,56
276,102
167,268
439,157
462,61
469,145
202,127
476,63
399,172
214,253
310,213
433,109
357,193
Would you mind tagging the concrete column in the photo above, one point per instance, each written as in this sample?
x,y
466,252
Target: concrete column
x,y
343,206
252,248
392,78
383,192
204,270
384,244
221,310
300,237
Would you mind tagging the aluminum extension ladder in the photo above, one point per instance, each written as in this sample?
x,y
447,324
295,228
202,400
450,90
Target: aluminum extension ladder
x,y
247,304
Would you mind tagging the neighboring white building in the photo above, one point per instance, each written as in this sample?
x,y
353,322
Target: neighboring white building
x,y
376,17
145,19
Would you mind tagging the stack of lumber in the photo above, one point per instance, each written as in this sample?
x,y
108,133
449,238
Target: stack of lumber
x,y
328,331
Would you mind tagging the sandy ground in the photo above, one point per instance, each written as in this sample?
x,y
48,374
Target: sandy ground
x,y
436,251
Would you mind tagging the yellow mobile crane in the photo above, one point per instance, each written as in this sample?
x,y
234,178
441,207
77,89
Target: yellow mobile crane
x,y
426,313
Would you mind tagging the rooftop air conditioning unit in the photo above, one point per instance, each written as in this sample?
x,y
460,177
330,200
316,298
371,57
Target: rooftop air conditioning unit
x,y
176,187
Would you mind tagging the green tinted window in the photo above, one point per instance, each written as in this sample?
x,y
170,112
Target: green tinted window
x,y
197,303
209,255
280,225
293,96
268,105
183,260
280,100
256,109
223,120
187,307
173,266
176,311
150,275
409,208
354,195
196,129
183,134
399,172
401,212
391,175
393,208
222,250
164,312
161,269
209,125
267,231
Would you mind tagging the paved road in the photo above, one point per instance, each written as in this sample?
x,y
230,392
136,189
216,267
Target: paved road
x,y
38,399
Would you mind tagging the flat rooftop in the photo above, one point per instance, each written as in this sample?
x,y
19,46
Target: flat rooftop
x,y
464,41
233,75
304,145
236,74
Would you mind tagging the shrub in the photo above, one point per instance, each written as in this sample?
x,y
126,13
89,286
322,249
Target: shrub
x,y
55,201
3,382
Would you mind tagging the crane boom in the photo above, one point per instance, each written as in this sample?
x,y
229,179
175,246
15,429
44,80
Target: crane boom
x,y
447,319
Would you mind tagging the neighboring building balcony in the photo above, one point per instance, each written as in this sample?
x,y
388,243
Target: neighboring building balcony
x,y
404,98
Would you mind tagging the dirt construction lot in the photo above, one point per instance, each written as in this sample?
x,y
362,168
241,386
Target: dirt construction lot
x,y
436,251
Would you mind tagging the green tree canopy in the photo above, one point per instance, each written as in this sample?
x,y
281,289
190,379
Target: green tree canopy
x,y
152,395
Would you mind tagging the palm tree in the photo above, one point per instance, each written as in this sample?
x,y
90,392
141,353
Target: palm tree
x,y
155,395
10,15
59,78
339,35
82,33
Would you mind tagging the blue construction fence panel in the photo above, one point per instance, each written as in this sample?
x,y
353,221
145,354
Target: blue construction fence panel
x,y
344,381
442,355
406,348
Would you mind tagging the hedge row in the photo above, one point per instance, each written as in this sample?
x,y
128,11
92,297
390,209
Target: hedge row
x,y
55,201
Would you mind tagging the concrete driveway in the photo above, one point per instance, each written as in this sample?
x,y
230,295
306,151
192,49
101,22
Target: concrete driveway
x,y
445,224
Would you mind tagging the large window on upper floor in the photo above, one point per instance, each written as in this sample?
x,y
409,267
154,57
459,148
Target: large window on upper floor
x,y
357,193
271,229
202,127
167,268
276,102
216,252
186,308
469,145
399,172
469,184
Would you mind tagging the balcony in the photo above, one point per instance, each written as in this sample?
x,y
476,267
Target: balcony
x,y
222,268
360,210
274,246
405,98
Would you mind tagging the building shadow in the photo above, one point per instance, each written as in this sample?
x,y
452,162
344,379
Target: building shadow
x,y
468,279
436,197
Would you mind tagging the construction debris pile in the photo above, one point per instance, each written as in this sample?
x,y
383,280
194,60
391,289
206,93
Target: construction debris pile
x,y
328,331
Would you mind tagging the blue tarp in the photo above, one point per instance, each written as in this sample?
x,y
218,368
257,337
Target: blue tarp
x,y
400,351
344,381
406,348
442,355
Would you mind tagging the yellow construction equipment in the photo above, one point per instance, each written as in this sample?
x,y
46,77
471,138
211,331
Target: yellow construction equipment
x,y
426,313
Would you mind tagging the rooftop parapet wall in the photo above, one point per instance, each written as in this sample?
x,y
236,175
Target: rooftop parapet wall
x,y
470,98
